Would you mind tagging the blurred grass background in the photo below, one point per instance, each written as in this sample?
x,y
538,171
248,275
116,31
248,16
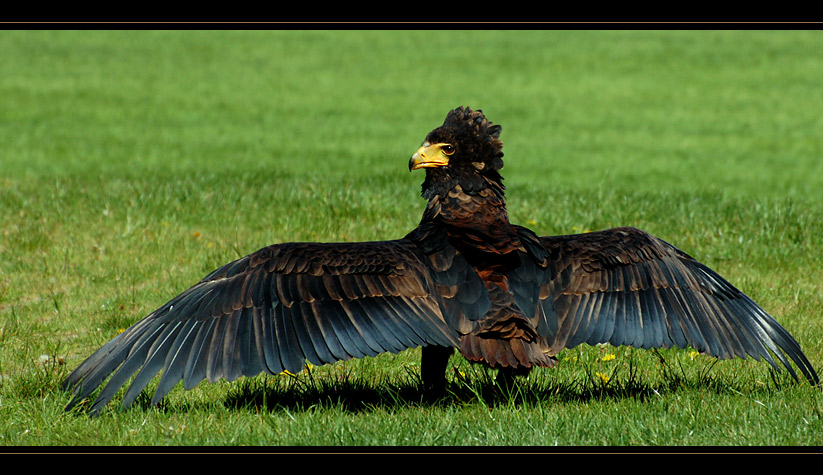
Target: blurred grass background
x,y
134,162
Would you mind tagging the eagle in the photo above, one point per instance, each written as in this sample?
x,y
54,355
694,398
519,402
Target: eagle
x,y
465,278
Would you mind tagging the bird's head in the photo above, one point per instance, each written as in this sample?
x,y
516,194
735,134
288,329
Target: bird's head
x,y
465,150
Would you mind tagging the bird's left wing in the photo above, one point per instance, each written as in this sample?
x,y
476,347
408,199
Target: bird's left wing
x,y
278,307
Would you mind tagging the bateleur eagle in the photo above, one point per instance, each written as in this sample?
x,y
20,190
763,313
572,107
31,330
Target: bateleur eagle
x,y
465,278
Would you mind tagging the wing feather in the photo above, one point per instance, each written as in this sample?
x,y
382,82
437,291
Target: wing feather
x,y
175,360
286,304
625,287
196,363
214,357
287,346
310,338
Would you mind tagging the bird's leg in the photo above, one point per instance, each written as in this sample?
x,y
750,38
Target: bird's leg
x,y
433,369
505,376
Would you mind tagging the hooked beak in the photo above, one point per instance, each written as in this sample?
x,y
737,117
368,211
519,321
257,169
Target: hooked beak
x,y
428,156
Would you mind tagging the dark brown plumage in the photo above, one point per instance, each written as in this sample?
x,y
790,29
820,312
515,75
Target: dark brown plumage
x,y
465,278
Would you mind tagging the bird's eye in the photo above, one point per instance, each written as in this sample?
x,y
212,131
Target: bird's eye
x,y
447,149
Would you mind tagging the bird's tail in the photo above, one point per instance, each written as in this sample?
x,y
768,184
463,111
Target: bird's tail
x,y
508,343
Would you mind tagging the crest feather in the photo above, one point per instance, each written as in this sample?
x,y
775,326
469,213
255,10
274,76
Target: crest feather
x,y
488,132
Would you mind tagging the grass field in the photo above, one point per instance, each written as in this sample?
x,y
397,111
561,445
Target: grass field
x,y
133,163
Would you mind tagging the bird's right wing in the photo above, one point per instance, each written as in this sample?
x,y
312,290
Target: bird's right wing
x,y
625,287
282,305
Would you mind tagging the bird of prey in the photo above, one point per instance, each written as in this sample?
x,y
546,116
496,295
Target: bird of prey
x,y
464,278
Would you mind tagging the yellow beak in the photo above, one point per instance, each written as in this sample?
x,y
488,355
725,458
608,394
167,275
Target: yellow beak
x,y
428,156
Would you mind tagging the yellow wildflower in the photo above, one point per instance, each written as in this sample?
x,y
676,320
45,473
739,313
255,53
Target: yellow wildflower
x,y
604,378
608,357
693,354
308,367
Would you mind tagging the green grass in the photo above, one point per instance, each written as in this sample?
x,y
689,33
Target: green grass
x,y
133,163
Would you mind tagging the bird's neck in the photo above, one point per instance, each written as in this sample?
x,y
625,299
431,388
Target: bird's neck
x,y
471,214
458,207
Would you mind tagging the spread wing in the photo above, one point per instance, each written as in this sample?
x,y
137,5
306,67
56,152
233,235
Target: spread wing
x,y
285,304
625,287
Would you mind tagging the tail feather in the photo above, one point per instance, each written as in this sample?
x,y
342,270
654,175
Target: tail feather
x,y
501,351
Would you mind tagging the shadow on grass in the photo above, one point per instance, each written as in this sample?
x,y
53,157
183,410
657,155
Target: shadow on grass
x,y
470,384
298,393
